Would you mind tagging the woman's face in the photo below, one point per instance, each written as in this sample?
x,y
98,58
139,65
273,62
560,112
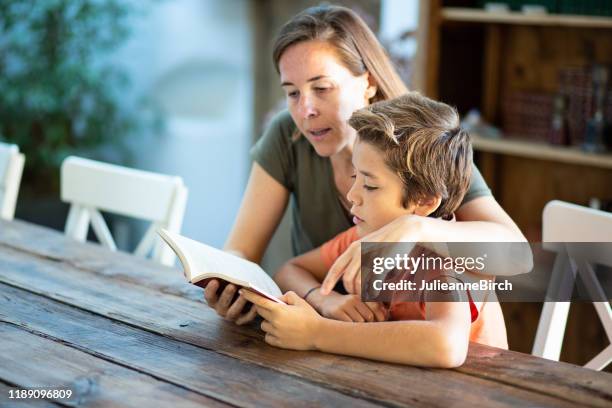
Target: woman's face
x,y
322,94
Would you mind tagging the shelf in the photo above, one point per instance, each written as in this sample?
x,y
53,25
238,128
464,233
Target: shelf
x,y
481,16
542,151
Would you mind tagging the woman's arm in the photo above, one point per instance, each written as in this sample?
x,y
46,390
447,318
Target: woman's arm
x,y
262,208
481,220
440,341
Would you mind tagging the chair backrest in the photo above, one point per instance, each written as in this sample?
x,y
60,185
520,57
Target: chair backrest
x,y
565,223
11,168
90,186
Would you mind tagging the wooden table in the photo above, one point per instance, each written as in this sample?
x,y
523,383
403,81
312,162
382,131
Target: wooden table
x,y
121,331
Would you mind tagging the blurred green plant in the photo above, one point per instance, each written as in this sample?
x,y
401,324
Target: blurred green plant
x,y
57,97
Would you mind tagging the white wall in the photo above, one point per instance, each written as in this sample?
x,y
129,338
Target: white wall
x,y
397,16
193,58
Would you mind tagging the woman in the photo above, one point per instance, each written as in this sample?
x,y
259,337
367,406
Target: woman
x,y
331,64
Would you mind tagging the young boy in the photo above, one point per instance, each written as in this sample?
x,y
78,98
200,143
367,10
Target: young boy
x,y
410,157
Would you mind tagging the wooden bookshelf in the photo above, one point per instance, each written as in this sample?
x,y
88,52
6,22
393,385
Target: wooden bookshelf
x,y
471,15
542,151
471,58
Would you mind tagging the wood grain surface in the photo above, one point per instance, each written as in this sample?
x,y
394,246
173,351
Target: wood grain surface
x,y
124,331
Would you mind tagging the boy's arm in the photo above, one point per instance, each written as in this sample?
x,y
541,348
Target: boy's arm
x,y
440,341
302,273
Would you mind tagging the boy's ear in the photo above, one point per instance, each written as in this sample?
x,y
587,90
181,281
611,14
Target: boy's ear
x,y
426,206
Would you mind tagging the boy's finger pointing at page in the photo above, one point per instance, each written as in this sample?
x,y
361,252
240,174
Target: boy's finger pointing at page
x,y
350,275
347,267
334,275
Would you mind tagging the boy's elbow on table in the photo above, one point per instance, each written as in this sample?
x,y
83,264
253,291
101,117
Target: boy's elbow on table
x,y
448,348
452,352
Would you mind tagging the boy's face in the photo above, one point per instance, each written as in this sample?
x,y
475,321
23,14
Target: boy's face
x,y
376,194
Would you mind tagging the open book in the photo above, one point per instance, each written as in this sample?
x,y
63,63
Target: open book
x,y
202,263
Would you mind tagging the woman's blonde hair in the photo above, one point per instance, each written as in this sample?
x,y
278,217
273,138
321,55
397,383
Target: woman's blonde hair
x,y
355,43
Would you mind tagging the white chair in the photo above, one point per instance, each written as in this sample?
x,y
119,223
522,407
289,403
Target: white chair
x,y
90,186
11,168
564,223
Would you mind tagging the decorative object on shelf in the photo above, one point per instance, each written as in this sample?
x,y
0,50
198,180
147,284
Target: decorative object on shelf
x,y
575,83
496,8
559,128
534,10
476,126
598,129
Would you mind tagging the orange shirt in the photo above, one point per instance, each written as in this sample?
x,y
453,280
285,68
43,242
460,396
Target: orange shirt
x,y
488,326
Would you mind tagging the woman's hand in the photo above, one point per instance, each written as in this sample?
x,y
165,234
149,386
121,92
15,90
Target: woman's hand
x,y
348,308
480,220
235,311
348,266
262,208
291,326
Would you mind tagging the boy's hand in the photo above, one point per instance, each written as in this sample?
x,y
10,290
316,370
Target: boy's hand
x,y
291,326
348,308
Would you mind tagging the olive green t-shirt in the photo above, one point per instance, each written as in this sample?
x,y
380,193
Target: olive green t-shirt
x,y
317,213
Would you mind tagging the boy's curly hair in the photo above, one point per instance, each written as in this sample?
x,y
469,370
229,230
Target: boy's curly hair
x,y
423,143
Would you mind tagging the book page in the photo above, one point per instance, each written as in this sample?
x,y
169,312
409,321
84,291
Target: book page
x,y
204,261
